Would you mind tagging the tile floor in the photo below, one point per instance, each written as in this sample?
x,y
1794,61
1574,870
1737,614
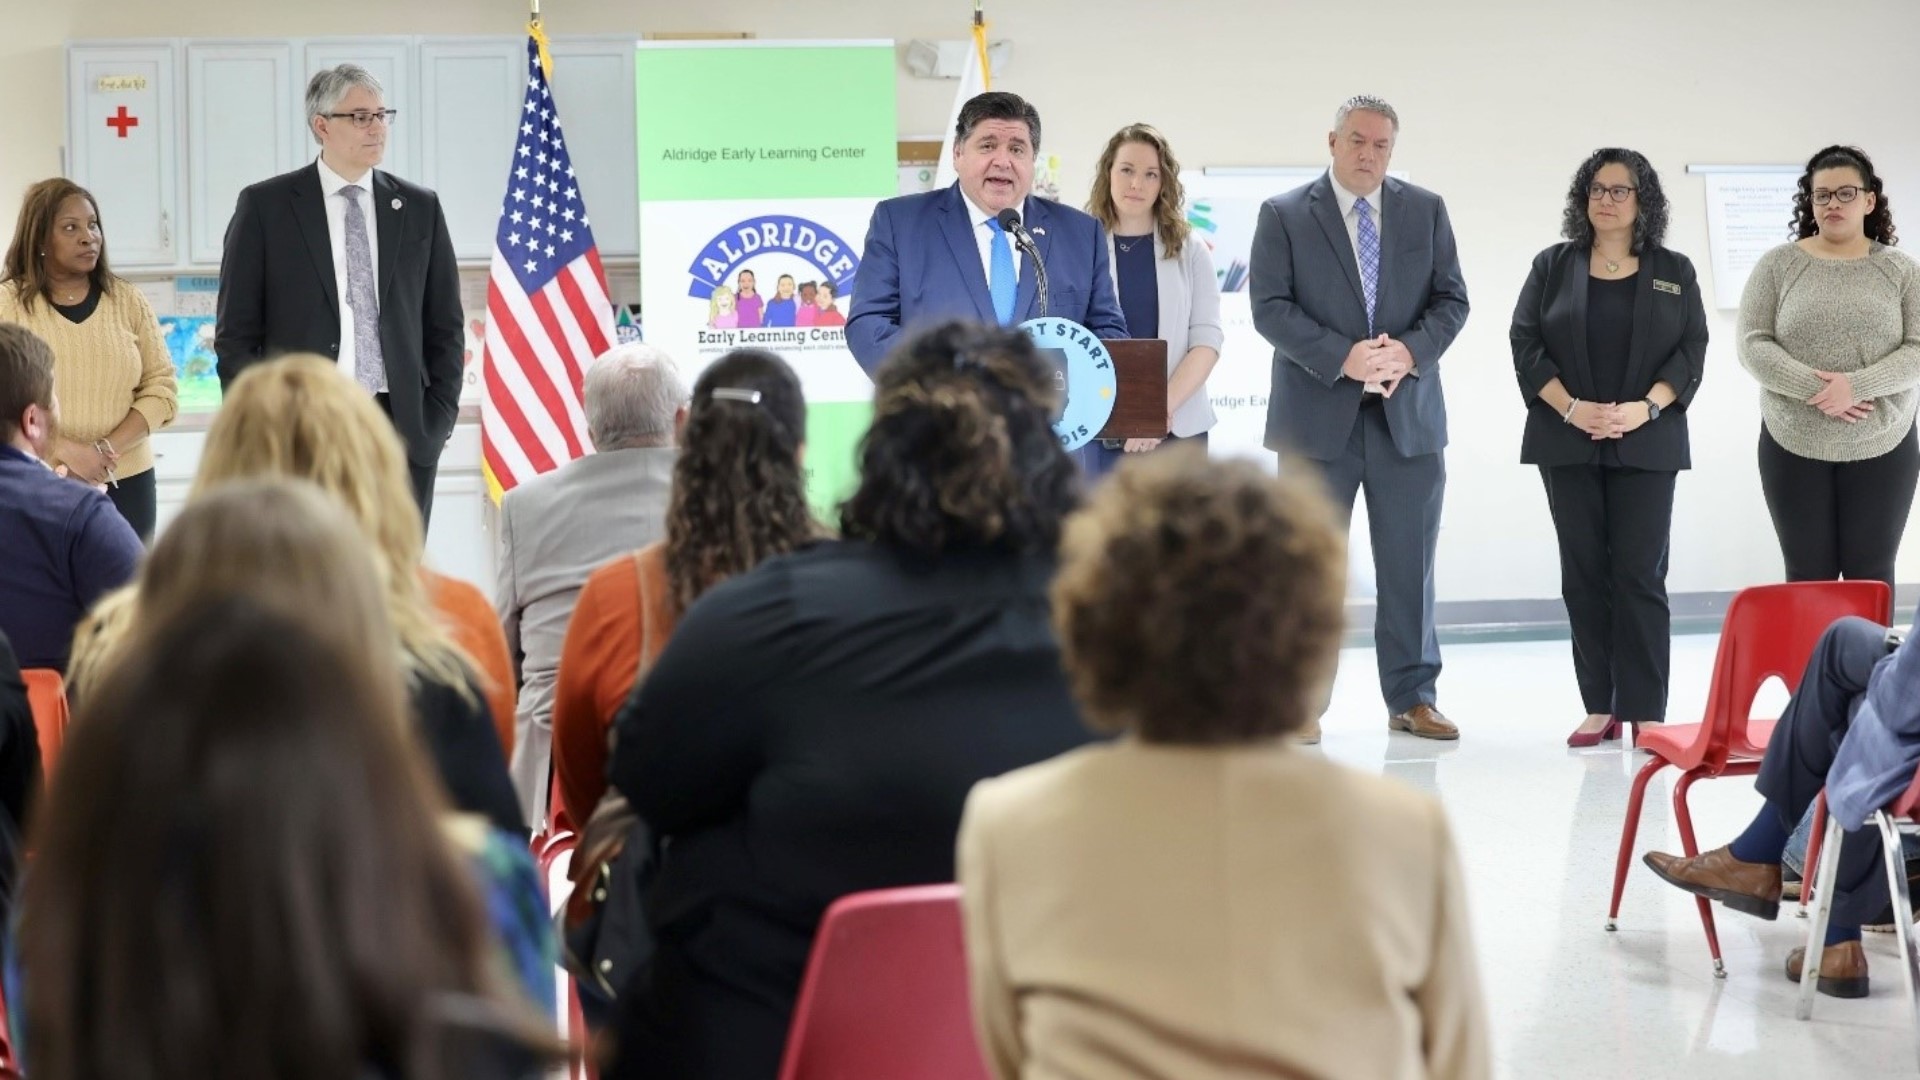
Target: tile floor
x,y
1537,827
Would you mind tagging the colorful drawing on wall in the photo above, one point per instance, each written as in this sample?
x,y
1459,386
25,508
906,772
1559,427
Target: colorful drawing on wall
x,y
190,340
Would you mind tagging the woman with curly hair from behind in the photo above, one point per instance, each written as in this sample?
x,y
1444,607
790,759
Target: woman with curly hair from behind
x,y
1200,898
814,725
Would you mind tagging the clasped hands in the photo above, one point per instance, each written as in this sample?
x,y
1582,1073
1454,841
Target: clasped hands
x,y
92,465
1379,362
1608,419
1836,398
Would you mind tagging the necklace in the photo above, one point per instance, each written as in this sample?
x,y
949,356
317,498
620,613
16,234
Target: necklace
x,y
1612,265
1128,244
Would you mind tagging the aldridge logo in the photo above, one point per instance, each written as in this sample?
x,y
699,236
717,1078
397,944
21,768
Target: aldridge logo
x,y
773,234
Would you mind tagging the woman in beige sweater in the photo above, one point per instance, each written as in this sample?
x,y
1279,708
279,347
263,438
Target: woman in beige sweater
x,y
1830,327
1200,899
112,373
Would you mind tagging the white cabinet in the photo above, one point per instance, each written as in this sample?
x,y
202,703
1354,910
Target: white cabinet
x,y
123,137
388,59
241,129
471,93
593,87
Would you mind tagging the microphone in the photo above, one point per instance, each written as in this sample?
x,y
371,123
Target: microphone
x,y
1009,221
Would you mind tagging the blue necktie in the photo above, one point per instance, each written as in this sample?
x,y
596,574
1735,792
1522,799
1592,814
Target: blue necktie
x,y
1002,282
1369,257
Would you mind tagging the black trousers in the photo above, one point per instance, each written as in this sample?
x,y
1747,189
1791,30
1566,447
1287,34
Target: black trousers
x,y
1613,525
1803,748
1839,519
137,498
422,476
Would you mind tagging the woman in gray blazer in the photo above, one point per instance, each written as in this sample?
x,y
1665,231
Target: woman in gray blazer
x,y
1164,277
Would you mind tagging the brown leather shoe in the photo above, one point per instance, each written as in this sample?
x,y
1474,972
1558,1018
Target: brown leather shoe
x,y
1743,886
1308,733
1843,969
1423,721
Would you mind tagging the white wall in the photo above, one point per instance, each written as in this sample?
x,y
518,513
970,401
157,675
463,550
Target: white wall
x,y
1500,99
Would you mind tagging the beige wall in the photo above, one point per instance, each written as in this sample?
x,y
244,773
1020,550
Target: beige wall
x,y
1499,98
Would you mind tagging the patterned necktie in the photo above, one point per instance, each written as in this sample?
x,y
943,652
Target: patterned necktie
x,y
369,367
1002,282
1369,257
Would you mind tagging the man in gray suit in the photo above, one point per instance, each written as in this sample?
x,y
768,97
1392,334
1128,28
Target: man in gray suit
x,y
558,528
1355,281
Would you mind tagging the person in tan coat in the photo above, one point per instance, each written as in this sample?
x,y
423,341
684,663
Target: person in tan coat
x,y
1200,898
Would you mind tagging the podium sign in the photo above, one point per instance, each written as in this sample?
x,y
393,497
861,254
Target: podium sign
x,y
1083,370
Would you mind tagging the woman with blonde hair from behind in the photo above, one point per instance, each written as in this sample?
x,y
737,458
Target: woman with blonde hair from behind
x,y
241,809
300,418
1199,611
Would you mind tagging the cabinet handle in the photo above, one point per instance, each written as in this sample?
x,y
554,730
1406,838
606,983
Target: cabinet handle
x,y
166,230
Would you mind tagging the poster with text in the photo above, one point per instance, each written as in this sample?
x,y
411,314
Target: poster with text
x,y
759,167
1749,213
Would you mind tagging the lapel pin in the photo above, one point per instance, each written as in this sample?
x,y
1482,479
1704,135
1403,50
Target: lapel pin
x,y
396,204
1039,232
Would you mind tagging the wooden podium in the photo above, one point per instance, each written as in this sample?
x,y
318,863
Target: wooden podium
x,y
1140,400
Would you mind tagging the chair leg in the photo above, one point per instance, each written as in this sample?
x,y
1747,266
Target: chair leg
x,y
1902,911
1817,926
1636,799
1810,866
1684,818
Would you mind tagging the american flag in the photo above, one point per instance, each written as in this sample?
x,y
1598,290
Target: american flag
x,y
548,314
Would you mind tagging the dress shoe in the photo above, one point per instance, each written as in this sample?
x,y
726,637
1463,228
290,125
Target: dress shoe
x,y
1743,886
1425,722
1843,969
1308,734
1580,740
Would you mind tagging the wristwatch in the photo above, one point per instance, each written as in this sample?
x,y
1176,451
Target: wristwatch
x,y
1653,410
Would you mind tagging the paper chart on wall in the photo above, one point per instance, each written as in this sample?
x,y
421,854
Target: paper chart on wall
x,y
1749,212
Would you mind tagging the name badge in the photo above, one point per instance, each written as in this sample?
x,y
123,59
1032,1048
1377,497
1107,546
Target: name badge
x,y
1666,287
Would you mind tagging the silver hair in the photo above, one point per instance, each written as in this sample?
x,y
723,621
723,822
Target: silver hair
x,y
633,392
1365,103
326,88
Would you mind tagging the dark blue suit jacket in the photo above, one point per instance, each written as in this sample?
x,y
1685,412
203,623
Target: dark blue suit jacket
x,y
1307,302
922,266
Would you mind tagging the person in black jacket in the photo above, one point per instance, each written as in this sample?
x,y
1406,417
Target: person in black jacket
x,y
815,724
1609,341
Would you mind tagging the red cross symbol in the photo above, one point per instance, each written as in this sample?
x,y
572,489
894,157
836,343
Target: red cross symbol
x,y
122,122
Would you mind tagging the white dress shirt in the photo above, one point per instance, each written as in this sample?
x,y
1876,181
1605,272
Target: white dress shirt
x,y
983,235
330,184
1351,219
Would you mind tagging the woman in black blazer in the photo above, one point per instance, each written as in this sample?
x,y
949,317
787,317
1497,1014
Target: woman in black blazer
x,y
815,724
1609,339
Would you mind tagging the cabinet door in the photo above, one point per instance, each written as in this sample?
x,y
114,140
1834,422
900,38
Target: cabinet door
x,y
471,95
240,131
592,84
391,61
123,131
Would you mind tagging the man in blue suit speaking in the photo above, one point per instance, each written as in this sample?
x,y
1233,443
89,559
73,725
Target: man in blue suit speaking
x,y
943,254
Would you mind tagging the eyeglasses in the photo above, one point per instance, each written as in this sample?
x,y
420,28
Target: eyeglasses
x,y
365,118
1617,193
1841,195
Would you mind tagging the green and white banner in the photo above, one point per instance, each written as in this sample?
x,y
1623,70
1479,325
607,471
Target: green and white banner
x,y
760,164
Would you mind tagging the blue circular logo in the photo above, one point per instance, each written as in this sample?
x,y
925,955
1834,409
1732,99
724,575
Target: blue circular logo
x,y
1082,371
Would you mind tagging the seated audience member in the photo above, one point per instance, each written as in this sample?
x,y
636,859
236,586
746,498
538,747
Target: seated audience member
x,y
814,724
467,616
209,900
64,543
1200,898
301,418
1853,728
739,497
556,528
286,544
19,774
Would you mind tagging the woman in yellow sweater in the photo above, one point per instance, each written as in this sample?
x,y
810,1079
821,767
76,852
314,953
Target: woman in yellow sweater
x,y
112,373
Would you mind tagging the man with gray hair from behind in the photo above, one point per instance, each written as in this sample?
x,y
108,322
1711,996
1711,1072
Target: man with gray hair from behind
x,y
555,529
